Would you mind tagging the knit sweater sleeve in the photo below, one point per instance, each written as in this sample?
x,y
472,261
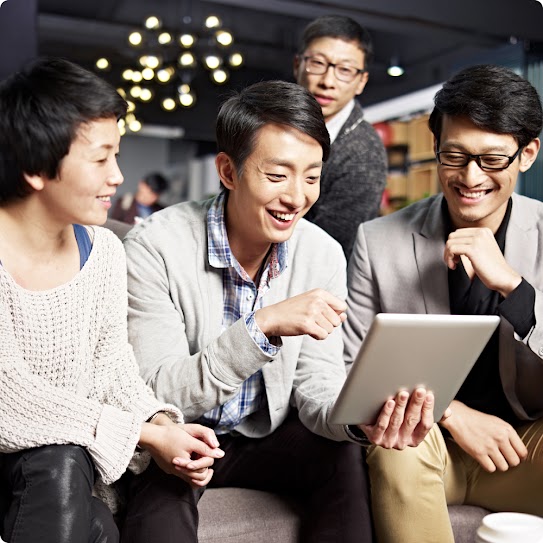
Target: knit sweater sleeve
x,y
33,412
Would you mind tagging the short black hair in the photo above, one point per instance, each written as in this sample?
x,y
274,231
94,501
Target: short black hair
x,y
41,109
156,182
243,114
338,26
493,98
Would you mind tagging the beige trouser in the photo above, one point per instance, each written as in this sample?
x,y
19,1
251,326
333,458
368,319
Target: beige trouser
x,y
410,489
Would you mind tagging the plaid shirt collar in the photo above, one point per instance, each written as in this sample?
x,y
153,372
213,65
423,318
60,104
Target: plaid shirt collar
x,y
219,253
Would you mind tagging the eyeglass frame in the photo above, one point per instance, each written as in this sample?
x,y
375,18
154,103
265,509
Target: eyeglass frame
x,y
334,65
477,158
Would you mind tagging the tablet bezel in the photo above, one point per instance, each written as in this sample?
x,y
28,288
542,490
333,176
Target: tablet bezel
x,y
455,341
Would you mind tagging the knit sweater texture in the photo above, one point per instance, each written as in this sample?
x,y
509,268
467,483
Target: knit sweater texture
x,y
352,181
67,372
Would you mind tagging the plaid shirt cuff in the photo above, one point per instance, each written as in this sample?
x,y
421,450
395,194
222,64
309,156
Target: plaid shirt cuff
x,y
269,346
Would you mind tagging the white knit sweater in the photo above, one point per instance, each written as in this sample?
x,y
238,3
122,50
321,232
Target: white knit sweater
x,y
67,372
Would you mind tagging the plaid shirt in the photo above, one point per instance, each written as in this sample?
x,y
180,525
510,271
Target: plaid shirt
x,y
241,299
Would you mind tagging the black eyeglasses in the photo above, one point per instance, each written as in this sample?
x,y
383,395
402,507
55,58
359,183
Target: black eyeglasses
x,y
485,162
343,72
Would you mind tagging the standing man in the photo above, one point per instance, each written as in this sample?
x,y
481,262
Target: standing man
x,y
475,249
332,63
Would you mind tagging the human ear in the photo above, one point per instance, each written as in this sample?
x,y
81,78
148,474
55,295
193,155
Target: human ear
x,y
362,83
37,182
226,170
529,154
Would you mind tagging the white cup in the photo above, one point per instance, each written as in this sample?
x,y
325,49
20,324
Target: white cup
x,y
510,528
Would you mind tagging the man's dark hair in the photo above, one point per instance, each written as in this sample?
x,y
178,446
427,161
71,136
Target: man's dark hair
x,y
493,98
41,109
338,26
246,112
156,182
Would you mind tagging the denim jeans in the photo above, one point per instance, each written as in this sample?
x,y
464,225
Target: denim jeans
x,y
47,497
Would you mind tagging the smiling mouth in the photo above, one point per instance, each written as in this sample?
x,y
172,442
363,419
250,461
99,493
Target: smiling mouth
x,y
473,195
284,217
104,198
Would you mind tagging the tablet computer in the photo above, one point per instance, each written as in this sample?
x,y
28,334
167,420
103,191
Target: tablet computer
x,y
403,352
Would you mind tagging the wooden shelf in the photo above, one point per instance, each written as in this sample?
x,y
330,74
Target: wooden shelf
x,y
412,169
420,139
422,181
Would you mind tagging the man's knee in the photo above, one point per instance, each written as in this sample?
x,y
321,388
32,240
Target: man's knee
x,y
406,469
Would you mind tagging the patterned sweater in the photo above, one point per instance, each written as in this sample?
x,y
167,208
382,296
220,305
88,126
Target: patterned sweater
x,y
67,372
352,181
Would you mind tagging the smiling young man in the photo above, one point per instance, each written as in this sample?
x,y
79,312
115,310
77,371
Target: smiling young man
x,y
332,63
234,308
474,249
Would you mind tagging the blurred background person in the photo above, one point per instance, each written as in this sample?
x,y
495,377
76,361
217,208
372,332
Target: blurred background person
x,y
133,208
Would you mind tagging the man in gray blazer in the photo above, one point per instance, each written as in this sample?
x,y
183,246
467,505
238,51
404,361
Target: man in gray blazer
x,y
476,248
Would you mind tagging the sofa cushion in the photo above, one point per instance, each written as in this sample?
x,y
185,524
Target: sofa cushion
x,y
236,515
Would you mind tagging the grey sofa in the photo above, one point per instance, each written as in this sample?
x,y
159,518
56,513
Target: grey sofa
x,y
235,515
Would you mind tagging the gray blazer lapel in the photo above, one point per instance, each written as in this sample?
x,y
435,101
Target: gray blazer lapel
x,y
521,253
521,242
429,245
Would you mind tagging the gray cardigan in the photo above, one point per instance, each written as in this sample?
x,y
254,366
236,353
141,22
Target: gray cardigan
x,y
352,181
175,317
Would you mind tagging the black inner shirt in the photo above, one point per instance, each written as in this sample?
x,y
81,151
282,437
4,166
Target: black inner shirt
x,y
482,389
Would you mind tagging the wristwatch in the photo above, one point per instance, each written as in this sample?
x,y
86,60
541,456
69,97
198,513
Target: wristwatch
x,y
356,434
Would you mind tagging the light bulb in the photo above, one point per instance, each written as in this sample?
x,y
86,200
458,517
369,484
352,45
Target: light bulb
x,y
163,75
169,104
186,100
146,95
236,59
224,37
152,22
102,63
213,21
219,76
135,38
186,59
186,40
164,38
148,74
134,126
212,61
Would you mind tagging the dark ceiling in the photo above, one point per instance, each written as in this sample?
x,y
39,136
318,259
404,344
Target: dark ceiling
x,y
430,38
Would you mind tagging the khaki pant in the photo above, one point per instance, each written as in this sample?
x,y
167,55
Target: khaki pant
x,y
410,489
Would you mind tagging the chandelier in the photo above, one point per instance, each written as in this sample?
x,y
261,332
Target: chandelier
x,y
165,62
